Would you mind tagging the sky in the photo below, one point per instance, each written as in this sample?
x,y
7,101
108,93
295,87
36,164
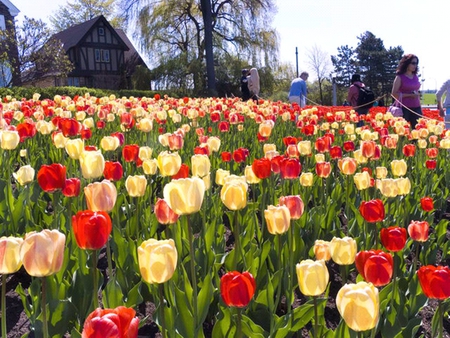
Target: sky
x,y
418,26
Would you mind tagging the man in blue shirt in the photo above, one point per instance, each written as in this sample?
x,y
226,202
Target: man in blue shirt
x,y
298,90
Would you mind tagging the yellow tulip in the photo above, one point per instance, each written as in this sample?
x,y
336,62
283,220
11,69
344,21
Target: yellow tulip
x,y
269,147
278,219
319,158
322,250
234,192
304,148
388,187
358,156
169,163
399,167
200,165
145,153
9,139
422,144
157,260
10,260
136,185
220,176
145,125
404,185
445,143
306,179
150,166
109,143
362,180
42,253
381,172
343,250
312,277
100,196
24,175
359,305
250,175
44,127
92,164
213,143
74,148
185,195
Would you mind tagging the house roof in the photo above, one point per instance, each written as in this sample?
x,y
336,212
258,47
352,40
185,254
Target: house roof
x,y
72,36
13,10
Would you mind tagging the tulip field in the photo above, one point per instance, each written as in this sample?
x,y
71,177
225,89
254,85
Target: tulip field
x,y
214,217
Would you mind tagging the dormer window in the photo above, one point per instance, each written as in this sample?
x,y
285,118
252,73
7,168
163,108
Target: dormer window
x,y
101,31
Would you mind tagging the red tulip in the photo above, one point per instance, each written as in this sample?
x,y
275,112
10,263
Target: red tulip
x,y
101,124
295,205
368,148
418,230
393,238
323,144
336,152
372,211
120,322
409,150
349,146
127,120
289,140
120,136
226,156
72,187
85,133
427,203
308,130
323,169
182,173
204,150
91,229
375,266
164,214
113,171
262,167
240,155
431,152
275,163
130,152
290,168
52,177
224,126
431,164
69,126
26,130
435,281
237,289
176,141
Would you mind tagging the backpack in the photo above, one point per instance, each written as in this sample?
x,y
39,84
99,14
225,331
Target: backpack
x,y
366,97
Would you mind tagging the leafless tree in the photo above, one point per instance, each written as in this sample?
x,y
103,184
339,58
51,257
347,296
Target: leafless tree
x,y
319,61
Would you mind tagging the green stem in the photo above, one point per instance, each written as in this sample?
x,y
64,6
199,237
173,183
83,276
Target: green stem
x,y
137,200
9,194
193,275
44,308
239,323
4,331
347,200
56,196
291,269
343,270
109,257
161,308
95,277
316,318
441,319
394,282
237,241
280,283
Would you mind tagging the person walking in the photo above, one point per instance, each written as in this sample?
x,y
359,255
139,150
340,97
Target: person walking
x,y
298,91
353,95
244,85
406,88
444,107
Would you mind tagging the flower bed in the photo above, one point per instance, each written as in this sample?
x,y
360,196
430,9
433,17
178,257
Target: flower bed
x,y
231,218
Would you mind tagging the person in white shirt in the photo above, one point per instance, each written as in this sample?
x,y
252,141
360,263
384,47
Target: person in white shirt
x,y
444,91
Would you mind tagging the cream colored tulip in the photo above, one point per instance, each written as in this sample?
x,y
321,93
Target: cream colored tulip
x,y
404,185
250,175
269,147
278,219
24,175
168,163
150,166
388,187
343,250
10,261
362,180
381,172
145,153
313,277
100,196
304,148
220,176
42,253
136,185
234,192
213,143
109,143
59,140
74,148
9,139
92,164
322,250
157,260
145,125
200,165
359,305
185,196
399,167
306,179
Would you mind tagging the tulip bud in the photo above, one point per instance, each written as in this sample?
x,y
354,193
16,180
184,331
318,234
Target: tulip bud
x,y
435,281
118,322
237,289
157,260
136,185
234,192
169,163
312,277
24,175
74,148
306,179
9,139
322,250
91,229
185,195
10,261
101,196
343,250
277,219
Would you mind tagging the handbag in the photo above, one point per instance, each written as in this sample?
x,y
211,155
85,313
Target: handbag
x,y
396,109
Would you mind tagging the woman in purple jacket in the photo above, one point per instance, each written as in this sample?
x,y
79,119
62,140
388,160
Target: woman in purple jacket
x,y
406,88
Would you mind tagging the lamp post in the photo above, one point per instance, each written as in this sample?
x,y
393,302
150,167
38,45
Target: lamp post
x,y
333,82
296,59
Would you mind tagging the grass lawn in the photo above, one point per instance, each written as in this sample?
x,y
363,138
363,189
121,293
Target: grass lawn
x,y
429,99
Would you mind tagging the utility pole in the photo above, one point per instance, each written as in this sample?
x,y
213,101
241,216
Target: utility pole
x,y
296,59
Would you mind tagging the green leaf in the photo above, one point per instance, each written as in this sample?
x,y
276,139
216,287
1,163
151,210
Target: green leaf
x,y
134,297
112,294
205,297
250,329
302,315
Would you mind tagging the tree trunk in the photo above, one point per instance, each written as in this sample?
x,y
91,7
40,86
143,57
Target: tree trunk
x,y
210,72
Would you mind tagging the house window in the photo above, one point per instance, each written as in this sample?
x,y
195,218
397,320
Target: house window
x,y
105,55
97,55
101,31
73,81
